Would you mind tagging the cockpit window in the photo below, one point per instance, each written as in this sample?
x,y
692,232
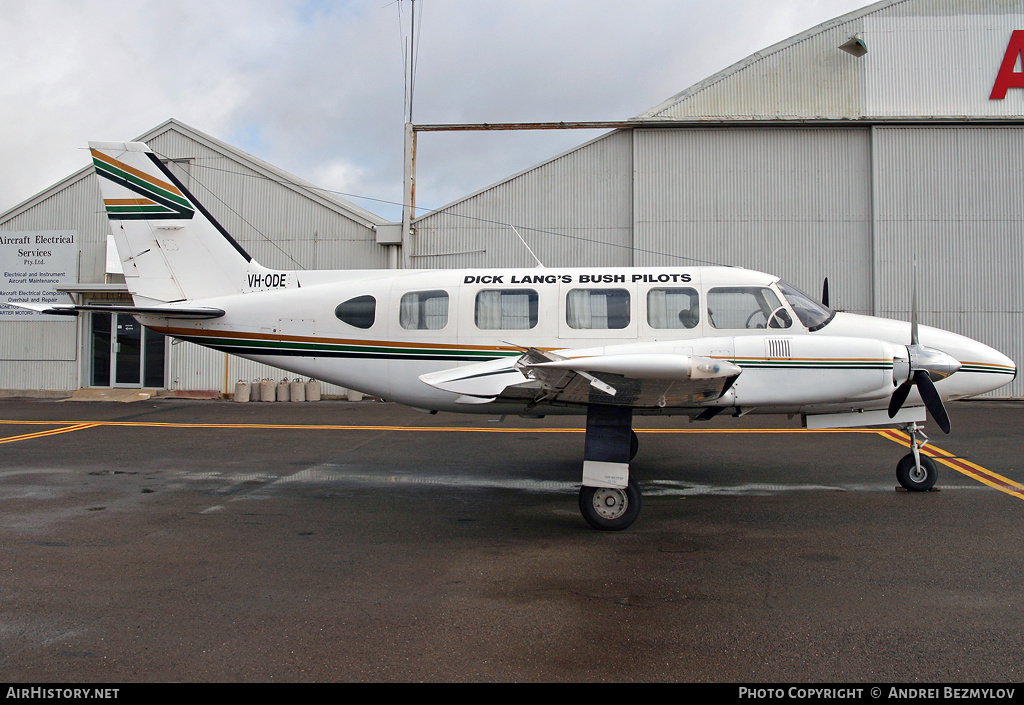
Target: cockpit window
x,y
811,313
745,307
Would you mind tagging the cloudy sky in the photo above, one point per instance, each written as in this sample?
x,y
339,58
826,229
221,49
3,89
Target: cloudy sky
x,y
316,87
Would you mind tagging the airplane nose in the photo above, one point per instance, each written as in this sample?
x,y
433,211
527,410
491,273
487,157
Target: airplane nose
x,y
990,367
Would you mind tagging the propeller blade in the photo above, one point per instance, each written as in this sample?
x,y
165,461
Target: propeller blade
x,y
824,292
899,396
932,400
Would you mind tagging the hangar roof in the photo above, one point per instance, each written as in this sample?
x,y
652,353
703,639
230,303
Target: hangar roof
x,y
326,198
924,59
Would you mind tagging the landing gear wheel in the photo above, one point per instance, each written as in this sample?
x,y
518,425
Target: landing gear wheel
x,y
913,479
608,509
634,445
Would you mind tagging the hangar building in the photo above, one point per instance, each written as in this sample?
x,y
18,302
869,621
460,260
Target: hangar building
x,y
889,135
281,220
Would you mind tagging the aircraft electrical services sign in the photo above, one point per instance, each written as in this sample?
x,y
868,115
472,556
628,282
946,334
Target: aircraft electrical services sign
x,y
32,263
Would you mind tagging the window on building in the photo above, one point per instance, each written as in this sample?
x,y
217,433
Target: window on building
x,y
424,310
506,309
597,309
673,308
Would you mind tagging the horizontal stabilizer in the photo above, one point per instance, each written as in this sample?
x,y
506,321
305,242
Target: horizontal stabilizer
x,y
161,311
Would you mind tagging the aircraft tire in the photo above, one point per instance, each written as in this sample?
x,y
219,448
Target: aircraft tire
x,y
634,445
610,509
913,481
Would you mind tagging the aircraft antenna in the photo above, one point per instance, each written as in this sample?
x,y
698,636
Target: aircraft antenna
x,y
410,52
532,254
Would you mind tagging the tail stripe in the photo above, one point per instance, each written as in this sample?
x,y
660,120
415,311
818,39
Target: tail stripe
x,y
162,200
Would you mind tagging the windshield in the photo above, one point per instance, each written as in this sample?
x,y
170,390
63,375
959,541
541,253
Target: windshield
x,y
812,314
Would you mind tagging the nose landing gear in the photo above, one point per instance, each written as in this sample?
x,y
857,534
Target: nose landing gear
x,y
916,472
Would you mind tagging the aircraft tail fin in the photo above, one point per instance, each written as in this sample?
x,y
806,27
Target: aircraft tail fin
x,y
170,247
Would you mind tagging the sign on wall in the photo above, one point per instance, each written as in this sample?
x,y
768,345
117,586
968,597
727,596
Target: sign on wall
x,y
32,264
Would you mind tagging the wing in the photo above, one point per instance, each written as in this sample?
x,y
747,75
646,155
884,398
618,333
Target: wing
x,y
636,379
161,311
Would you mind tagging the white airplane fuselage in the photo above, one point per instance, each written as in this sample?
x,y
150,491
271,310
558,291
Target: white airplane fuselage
x,y
291,320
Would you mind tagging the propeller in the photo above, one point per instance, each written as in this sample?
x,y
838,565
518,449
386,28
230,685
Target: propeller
x,y
824,293
923,368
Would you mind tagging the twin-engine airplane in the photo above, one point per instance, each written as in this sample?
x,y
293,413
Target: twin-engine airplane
x,y
608,343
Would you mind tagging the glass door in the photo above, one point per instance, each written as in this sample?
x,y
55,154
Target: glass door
x,y
125,354
127,360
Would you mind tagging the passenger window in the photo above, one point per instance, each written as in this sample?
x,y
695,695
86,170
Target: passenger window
x,y
506,309
359,312
424,310
597,309
739,307
673,308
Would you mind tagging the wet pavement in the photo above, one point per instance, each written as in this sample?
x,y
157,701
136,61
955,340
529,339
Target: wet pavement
x,y
173,540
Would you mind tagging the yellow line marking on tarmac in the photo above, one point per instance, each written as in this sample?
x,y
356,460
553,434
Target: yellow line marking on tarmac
x,y
41,434
450,429
965,467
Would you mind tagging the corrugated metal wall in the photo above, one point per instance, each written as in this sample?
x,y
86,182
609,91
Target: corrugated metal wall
x,y
574,210
795,202
954,197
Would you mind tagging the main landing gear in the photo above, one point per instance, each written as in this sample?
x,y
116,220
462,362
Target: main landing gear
x,y
609,499
610,508
916,472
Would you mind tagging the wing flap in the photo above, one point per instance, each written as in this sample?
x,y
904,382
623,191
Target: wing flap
x,y
483,380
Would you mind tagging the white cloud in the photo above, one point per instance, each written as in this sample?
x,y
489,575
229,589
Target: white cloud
x,y
316,87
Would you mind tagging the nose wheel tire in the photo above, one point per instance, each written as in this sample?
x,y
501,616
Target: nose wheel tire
x,y
914,479
610,509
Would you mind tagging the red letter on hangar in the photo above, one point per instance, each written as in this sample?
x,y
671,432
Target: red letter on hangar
x,y
1008,78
